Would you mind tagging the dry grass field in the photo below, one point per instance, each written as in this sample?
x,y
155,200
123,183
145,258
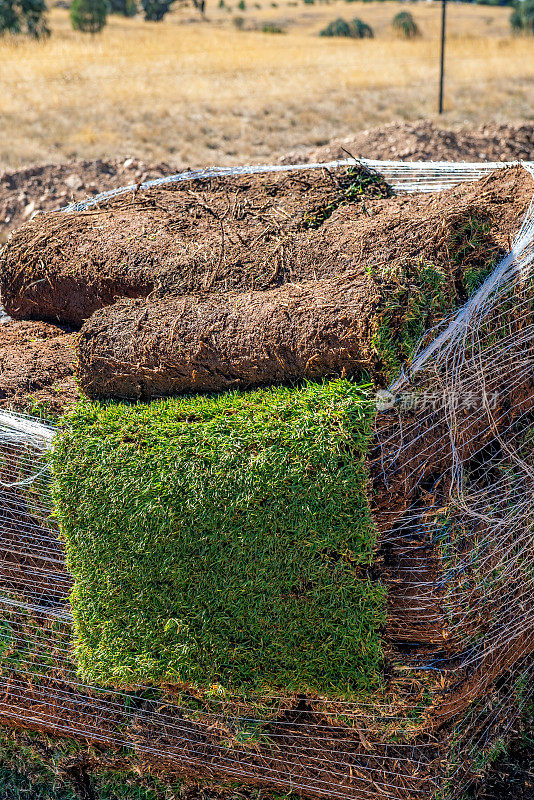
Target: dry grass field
x,y
195,92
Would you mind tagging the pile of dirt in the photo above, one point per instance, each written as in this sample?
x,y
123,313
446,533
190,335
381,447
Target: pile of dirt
x,y
47,187
424,141
36,366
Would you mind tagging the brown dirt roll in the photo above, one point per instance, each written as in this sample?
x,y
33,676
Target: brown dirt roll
x,y
359,321
465,226
146,349
248,233
219,234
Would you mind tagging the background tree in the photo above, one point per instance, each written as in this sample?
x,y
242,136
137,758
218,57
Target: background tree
x,y
155,10
126,8
88,16
522,17
361,30
24,16
404,25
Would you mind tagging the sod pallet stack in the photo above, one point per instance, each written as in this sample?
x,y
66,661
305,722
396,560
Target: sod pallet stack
x,y
291,586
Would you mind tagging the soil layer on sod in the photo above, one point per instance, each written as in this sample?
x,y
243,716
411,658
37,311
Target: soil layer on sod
x,y
37,367
224,541
250,233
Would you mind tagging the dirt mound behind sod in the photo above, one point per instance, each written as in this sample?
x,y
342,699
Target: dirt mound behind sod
x,y
422,140
47,187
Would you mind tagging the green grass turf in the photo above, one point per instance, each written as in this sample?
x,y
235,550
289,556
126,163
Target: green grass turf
x,y
224,541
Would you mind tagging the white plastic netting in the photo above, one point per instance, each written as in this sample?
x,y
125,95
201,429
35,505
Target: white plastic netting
x,y
403,176
455,437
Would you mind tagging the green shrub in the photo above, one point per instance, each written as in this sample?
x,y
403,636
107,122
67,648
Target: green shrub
x,y
522,17
337,28
24,16
242,5
88,16
361,30
272,29
239,23
355,30
10,21
223,540
516,20
404,25
125,8
155,10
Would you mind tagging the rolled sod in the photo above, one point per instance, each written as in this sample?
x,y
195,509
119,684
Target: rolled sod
x,y
247,233
361,323
177,344
195,236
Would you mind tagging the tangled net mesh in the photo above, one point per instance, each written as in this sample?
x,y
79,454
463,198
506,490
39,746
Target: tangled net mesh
x,y
452,471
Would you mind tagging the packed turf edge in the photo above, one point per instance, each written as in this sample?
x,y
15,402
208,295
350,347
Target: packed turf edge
x,y
224,541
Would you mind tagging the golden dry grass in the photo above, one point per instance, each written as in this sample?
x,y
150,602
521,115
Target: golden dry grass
x,y
193,92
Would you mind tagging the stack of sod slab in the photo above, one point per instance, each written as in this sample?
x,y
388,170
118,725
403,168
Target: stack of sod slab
x,y
258,576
